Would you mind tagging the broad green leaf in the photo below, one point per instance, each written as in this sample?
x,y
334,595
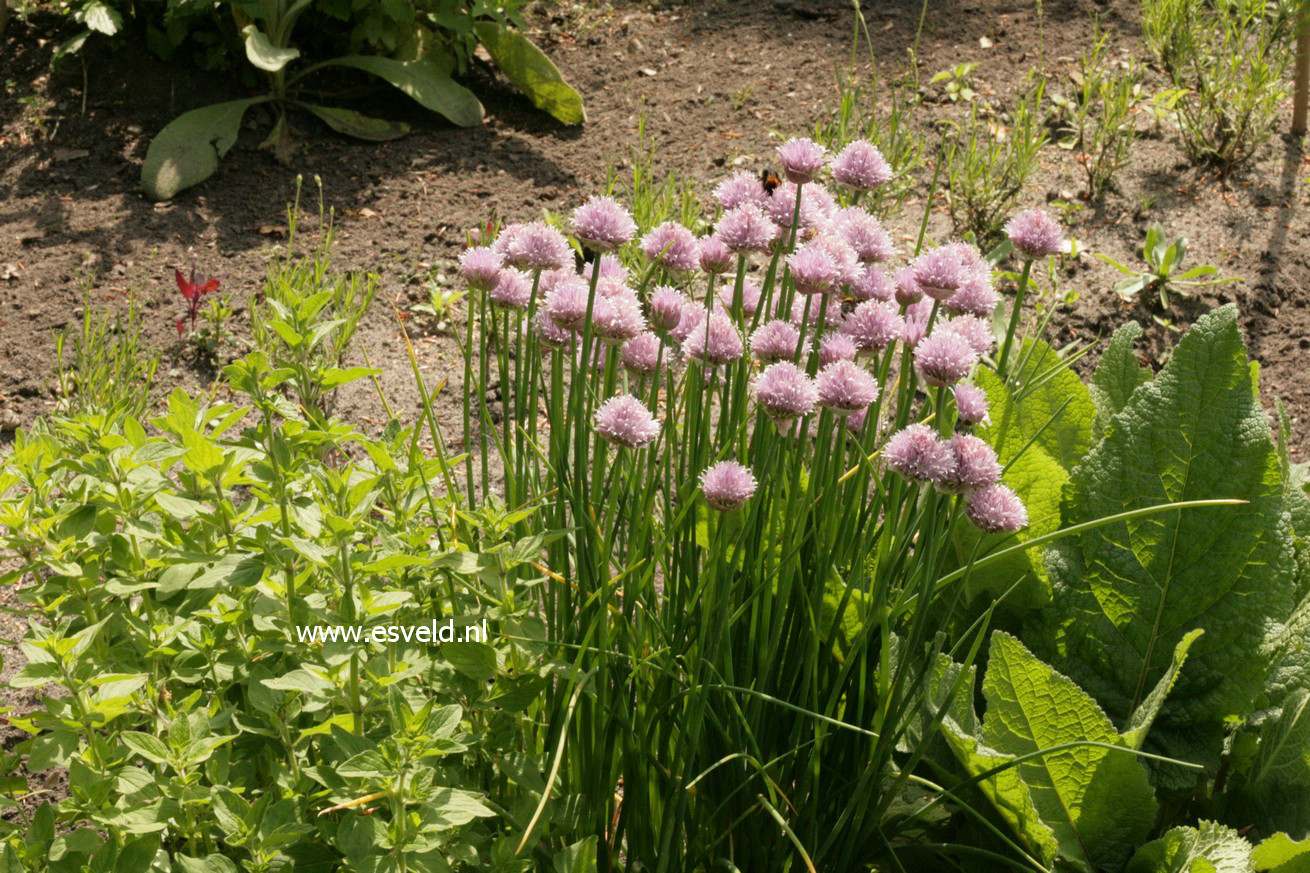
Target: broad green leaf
x,y
1127,593
423,81
577,858
1053,404
261,52
148,746
102,19
51,749
1281,854
208,864
356,124
336,377
474,660
188,149
1116,378
365,765
1097,801
1144,716
532,72
1206,848
455,807
1037,478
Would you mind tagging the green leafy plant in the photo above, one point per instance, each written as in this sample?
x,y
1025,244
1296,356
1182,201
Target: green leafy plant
x,y
1099,124
958,84
104,363
1164,270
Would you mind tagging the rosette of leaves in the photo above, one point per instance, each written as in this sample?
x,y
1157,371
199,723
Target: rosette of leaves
x,y
188,149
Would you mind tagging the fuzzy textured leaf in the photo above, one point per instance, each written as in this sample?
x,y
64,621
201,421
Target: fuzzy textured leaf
x,y
1144,716
261,52
1281,854
356,124
189,147
1207,848
1053,404
1116,377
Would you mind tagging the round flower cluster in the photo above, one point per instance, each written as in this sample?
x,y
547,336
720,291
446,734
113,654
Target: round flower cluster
x,y
625,421
964,465
727,485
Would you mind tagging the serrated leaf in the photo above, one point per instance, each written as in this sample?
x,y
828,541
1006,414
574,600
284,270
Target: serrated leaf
x,y
1281,854
1206,848
425,83
532,72
261,52
1117,376
1144,716
1097,801
1127,593
189,147
356,124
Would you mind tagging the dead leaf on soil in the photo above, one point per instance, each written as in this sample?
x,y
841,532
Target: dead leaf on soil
x,y
61,155
273,229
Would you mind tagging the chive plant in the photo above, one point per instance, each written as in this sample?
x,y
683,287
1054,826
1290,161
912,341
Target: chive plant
x,y
757,447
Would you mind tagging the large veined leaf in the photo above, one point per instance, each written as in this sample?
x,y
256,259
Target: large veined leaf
x,y
1206,848
1096,800
425,82
1053,404
1139,724
532,72
1038,479
102,18
1281,854
1127,593
261,52
1116,377
188,149
355,124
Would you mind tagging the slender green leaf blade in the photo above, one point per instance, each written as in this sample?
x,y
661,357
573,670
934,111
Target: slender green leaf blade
x,y
1054,406
1144,716
356,124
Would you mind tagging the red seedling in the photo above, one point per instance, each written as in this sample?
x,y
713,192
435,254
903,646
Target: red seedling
x,y
192,291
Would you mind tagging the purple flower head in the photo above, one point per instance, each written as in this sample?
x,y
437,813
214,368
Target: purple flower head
x,y
855,421
802,159
750,297
610,268
844,386
1035,234
996,509
727,485
943,358
617,319
641,354
550,278
715,257
603,224
714,341
873,284
836,347
843,255
551,334
740,188
938,273
907,291
746,228
785,392
976,466
861,166
806,309
480,267
672,246
508,234
977,332
693,314
817,205
918,453
538,246
970,404
865,234
975,296
567,303
874,325
513,289
813,270
775,341
666,304
970,258
625,421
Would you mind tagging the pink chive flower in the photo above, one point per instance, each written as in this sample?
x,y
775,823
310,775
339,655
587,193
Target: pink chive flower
x,y
513,289
917,453
813,270
785,393
975,466
567,303
715,257
817,205
970,258
610,268
865,234
1035,234
740,188
938,273
849,268
480,267
846,387
943,358
873,284
750,297
907,291
508,234
874,325
861,167
975,296
802,158
977,332
666,304
625,421
693,314
996,509
806,309
775,340
970,404
672,246
714,341
603,224
746,228
551,334
727,485
836,347
538,246
617,319
641,354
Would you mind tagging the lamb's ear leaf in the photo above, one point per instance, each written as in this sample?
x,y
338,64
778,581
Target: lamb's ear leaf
x,y
189,147
356,124
532,72
1208,846
425,82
